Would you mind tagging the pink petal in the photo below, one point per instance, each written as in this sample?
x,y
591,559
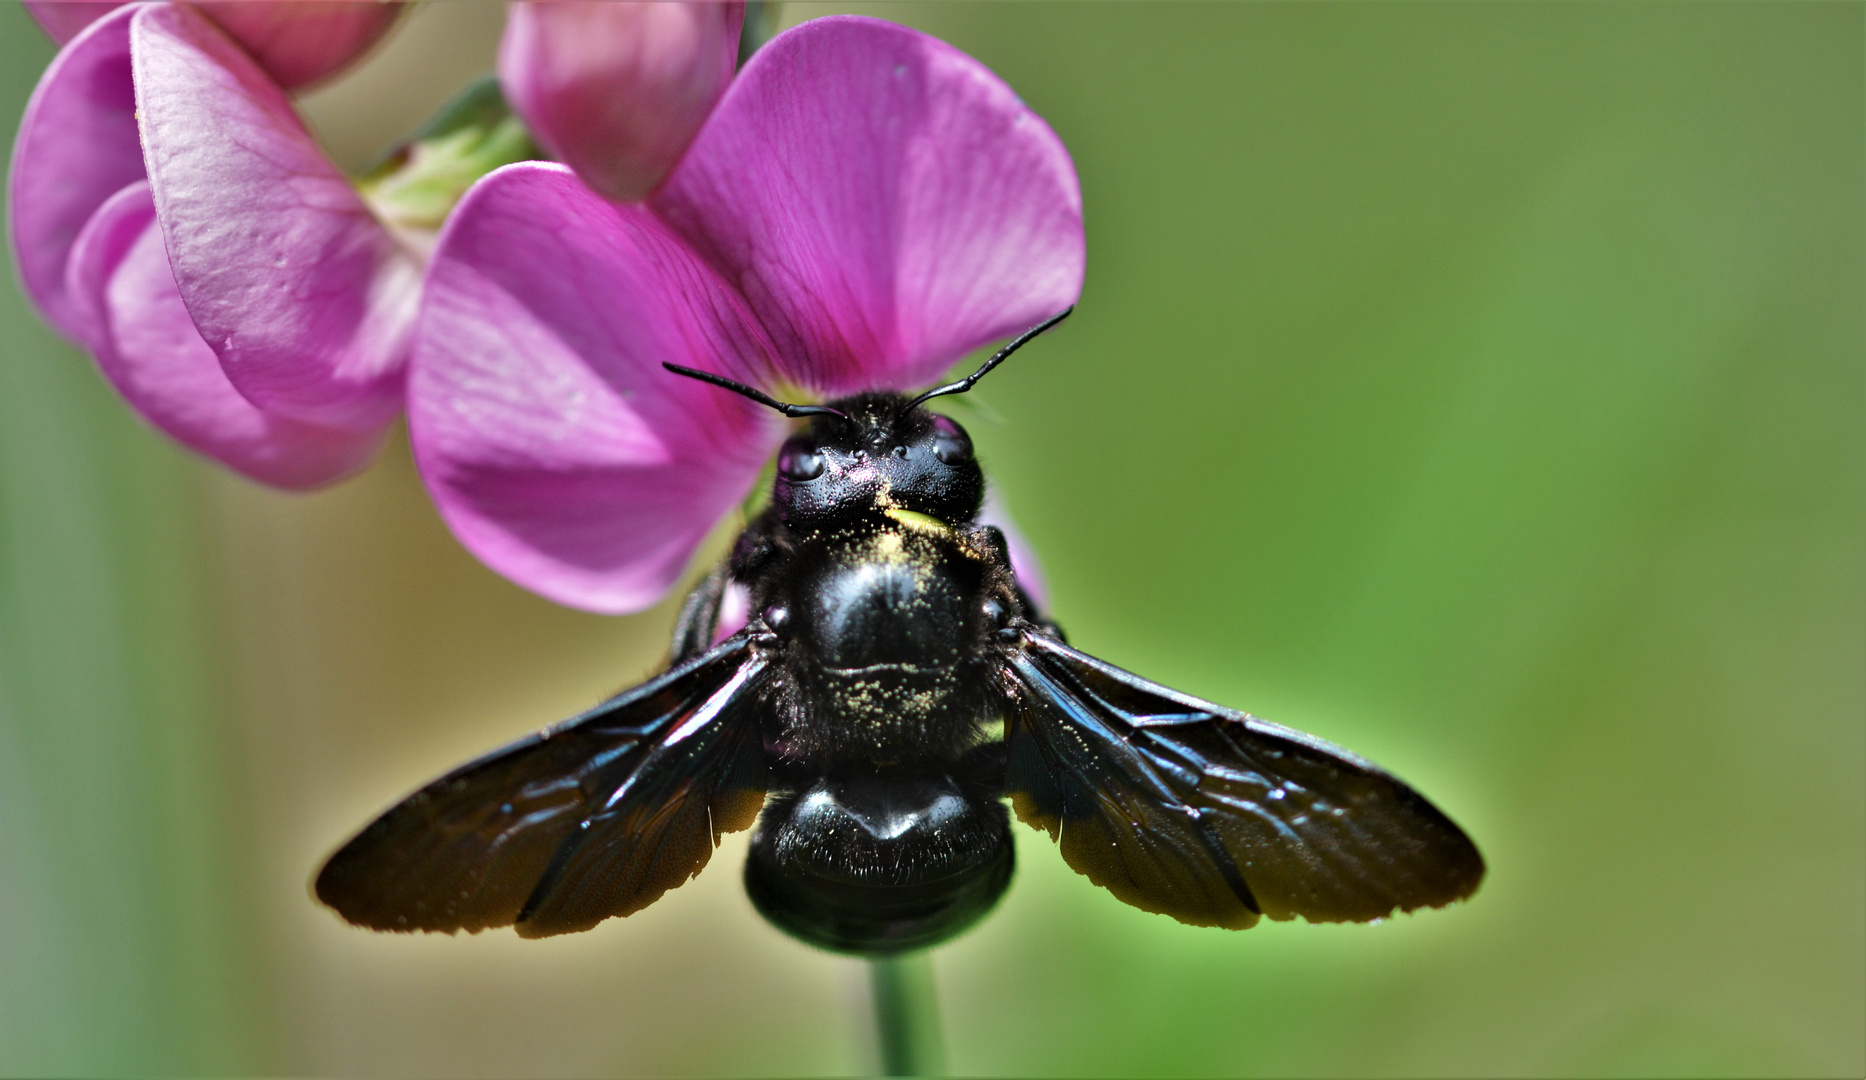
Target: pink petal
x,y
735,610
63,19
886,203
77,147
298,42
617,89
149,349
305,297
553,442
1024,564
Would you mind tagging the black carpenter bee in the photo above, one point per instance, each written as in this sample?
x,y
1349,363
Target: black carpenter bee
x,y
893,686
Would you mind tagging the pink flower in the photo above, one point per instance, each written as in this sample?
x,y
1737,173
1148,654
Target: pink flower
x,y
230,281
616,90
864,207
297,42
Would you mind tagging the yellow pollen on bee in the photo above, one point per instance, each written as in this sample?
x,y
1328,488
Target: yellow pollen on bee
x,y
918,522
889,548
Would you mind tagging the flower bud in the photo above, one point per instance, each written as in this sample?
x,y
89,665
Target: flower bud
x,y
297,42
616,90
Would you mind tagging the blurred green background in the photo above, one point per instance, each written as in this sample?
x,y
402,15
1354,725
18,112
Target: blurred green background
x,y
1476,385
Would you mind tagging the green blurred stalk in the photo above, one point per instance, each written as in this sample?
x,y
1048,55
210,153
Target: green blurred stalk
x,y
762,18
906,1015
128,945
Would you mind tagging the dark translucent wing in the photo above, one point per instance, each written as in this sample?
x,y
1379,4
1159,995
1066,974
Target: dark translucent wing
x,y
595,817
1196,811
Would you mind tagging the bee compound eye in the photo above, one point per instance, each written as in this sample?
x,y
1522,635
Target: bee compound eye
x,y
799,462
950,442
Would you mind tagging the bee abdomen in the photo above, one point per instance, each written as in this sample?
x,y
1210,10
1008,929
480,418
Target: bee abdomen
x,y
879,864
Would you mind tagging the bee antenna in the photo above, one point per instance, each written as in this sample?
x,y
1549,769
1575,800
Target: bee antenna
x,y
997,358
759,396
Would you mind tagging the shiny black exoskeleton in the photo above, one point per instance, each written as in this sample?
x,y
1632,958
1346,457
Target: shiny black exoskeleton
x,y
891,686
882,600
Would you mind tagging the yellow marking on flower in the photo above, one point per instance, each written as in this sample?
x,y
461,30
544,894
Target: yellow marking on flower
x,y
785,390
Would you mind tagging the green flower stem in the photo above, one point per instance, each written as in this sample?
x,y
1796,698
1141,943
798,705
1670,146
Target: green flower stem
x,y
761,23
415,185
906,1015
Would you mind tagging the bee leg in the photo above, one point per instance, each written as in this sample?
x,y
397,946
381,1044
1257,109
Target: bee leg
x,y
699,617
995,536
697,628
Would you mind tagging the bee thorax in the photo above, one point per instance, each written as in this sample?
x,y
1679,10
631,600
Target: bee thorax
x,y
884,630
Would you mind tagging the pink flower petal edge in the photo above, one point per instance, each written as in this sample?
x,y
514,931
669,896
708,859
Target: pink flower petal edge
x,y
735,611
616,89
77,147
297,42
63,20
884,202
1024,564
140,333
305,297
553,443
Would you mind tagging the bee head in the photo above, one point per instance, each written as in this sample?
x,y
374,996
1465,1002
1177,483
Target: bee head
x,y
876,453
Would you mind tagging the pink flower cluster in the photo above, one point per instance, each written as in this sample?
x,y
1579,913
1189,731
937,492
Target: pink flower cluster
x,y
171,213
858,208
